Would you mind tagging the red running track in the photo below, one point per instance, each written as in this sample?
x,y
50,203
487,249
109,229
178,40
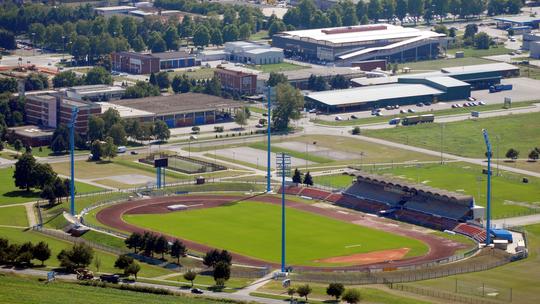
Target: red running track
x,y
439,247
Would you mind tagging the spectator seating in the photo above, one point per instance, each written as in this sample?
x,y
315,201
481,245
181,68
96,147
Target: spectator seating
x,y
375,193
441,208
475,232
314,193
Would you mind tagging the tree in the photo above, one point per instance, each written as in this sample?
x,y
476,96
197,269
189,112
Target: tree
x,y
123,261
66,79
276,27
48,194
98,75
118,134
374,10
317,83
388,9
161,130
162,79
190,275
454,7
132,269
181,84
138,44
441,8
222,272
79,256
59,144
7,40
401,10
111,117
308,180
533,155
514,6
216,38
43,175
97,262
178,250
240,118
470,31
201,37
149,243
339,82
335,290
161,246
36,81
213,87
291,291
110,150
276,78
96,150
23,174
171,38
96,128
244,31
141,89
230,33
352,296
213,256
512,154
304,291
17,145
134,241
60,188
348,12
152,80
482,41
297,176
156,43
416,9
289,102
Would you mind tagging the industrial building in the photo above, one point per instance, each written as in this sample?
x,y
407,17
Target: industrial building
x,y
53,110
137,63
236,80
449,84
535,50
180,110
513,22
344,45
98,92
253,53
31,135
528,39
109,11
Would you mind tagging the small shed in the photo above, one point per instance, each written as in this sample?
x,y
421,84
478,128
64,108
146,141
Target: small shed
x,y
502,234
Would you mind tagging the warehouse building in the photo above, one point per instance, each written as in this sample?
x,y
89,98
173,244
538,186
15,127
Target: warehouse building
x,y
253,53
528,39
180,110
344,45
109,11
137,63
512,22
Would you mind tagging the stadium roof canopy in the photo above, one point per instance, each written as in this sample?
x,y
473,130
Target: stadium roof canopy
x,y
366,94
390,181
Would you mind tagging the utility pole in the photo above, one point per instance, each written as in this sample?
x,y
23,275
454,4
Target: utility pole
x,y
268,140
488,205
74,113
283,167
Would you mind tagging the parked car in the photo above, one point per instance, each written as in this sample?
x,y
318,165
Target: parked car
x,y
134,153
402,111
411,111
420,104
110,278
259,125
196,291
339,118
481,103
354,116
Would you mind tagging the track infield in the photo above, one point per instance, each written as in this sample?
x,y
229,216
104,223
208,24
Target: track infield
x,y
250,229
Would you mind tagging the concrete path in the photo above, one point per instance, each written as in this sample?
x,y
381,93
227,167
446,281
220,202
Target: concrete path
x,y
517,221
30,215
255,285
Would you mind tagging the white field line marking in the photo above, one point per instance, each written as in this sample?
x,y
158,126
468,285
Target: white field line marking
x,y
351,246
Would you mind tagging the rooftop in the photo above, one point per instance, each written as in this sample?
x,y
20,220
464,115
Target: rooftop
x,y
359,33
32,131
178,103
322,71
264,50
115,8
372,93
480,68
125,112
518,19
365,81
95,88
172,55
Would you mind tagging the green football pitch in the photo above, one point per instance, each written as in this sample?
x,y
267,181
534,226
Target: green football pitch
x,y
254,229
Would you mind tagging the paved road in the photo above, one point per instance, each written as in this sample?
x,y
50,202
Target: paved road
x,y
517,221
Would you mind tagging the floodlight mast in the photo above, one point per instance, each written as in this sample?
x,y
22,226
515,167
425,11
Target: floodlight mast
x,y
74,114
488,205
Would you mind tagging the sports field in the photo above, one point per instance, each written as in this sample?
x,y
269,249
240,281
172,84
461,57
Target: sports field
x,y
465,137
253,229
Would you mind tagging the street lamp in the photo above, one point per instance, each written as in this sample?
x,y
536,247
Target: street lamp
x,y
63,47
33,44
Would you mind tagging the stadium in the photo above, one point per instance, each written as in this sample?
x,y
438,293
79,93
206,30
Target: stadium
x,y
377,223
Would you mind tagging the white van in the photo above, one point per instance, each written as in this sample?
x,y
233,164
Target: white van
x,y
122,149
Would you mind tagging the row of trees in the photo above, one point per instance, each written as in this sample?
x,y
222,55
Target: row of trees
x,y
12,112
345,13
96,75
297,178
336,290
149,243
513,154
319,83
23,254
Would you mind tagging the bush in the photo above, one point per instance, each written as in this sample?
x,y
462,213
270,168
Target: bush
x,y
195,129
218,129
356,130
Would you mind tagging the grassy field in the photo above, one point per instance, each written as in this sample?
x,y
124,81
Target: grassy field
x,y
13,216
235,226
259,35
292,153
386,118
522,276
19,290
465,137
197,74
435,65
205,279
369,295
56,245
9,194
510,197
277,67
472,52
335,180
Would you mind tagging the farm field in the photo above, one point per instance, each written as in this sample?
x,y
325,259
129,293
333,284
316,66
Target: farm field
x,y
510,197
36,291
9,194
235,226
524,275
465,137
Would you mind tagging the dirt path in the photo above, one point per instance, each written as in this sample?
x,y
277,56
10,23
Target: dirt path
x,y
438,247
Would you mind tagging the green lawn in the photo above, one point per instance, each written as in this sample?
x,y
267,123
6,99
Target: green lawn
x,y
386,118
522,276
56,245
9,194
45,151
278,67
510,197
336,180
259,35
19,290
435,65
209,280
196,73
13,216
472,52
465,137
252,229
